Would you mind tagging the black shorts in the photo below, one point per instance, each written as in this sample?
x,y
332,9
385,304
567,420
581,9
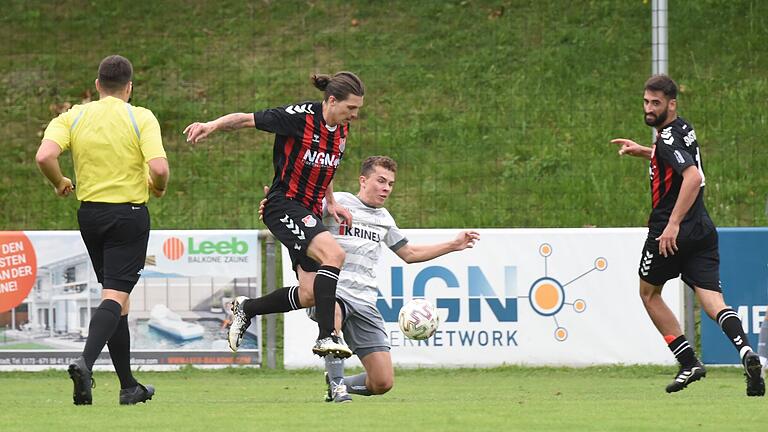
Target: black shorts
x,y
698,261
295,226
116,236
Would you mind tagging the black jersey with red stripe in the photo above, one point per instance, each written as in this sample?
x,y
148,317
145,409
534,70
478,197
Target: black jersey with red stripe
x,y
675,150
306,153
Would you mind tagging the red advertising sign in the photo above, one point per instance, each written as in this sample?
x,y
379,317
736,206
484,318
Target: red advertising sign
x,y
18,268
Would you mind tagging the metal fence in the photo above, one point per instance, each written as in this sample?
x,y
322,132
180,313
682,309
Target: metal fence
x,y
499,113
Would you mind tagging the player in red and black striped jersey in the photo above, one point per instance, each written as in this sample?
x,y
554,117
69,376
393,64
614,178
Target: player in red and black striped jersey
x,y
307,151
675,150
310,139
682,239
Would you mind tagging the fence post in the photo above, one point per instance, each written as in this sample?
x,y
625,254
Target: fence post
x,y
271,345
659,37
689,315
659,43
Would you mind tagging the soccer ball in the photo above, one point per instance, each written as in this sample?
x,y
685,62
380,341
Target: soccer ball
x,y
418,319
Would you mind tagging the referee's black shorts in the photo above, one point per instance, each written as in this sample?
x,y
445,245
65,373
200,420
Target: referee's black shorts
x,y
295,226
696,261
116,236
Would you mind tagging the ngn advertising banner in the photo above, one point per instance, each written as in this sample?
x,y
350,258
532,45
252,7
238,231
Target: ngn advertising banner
x,y
521,296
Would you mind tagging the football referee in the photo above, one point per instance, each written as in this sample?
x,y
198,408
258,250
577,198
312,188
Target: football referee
x,y
118,158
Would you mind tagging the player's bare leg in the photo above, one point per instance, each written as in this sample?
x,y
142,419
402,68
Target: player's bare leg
x,y
380,373
661,315
378,378
666,323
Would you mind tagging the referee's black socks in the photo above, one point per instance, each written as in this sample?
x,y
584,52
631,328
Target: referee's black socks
x,y
120,351
325,299
103,324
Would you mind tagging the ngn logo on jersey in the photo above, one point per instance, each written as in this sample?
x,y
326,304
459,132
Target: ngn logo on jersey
x,y
319,158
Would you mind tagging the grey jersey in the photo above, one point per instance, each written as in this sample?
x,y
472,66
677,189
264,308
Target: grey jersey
x,y
370,226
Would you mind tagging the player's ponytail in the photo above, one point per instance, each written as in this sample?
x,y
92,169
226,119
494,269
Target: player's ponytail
x,y
321,81
340,86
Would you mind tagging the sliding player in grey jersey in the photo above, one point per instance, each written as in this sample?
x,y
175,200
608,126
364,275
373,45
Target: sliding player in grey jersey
x,y
356,313
762,344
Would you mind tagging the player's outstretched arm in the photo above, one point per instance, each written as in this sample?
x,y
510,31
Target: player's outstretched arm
x,y
419,253
197,131
631,148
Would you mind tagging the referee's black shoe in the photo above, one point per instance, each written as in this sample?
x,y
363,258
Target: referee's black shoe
x,y
136,394
752,369
82,378
687,375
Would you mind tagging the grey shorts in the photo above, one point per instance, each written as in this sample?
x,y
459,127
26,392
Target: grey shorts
x,y
363,328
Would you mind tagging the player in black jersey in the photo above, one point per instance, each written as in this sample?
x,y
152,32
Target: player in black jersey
x,y
310,139
682,239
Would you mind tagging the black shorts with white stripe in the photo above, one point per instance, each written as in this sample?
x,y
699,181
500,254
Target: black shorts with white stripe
x,y
294,226
697,261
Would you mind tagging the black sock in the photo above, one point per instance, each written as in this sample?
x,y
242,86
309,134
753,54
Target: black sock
x,y
283,299
120,351
731,324
325,299
102,326
683,351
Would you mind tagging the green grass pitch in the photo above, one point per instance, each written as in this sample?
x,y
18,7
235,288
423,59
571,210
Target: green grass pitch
x,y
498,399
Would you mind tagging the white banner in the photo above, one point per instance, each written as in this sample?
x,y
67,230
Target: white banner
x,y
521,296
179,307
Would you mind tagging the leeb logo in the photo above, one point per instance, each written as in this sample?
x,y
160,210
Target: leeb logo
x,y
173,248
196,250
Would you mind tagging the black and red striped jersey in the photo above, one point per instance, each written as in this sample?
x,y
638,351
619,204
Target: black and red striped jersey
x,y
306,153
675,150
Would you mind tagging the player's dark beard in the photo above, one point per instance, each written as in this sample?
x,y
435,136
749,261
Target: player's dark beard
x,y
656,121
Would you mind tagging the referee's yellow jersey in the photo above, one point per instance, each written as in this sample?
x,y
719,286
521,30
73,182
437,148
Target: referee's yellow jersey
x,y
111,142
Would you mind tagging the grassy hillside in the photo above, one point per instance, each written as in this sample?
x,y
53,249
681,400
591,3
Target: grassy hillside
x,y
499,112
